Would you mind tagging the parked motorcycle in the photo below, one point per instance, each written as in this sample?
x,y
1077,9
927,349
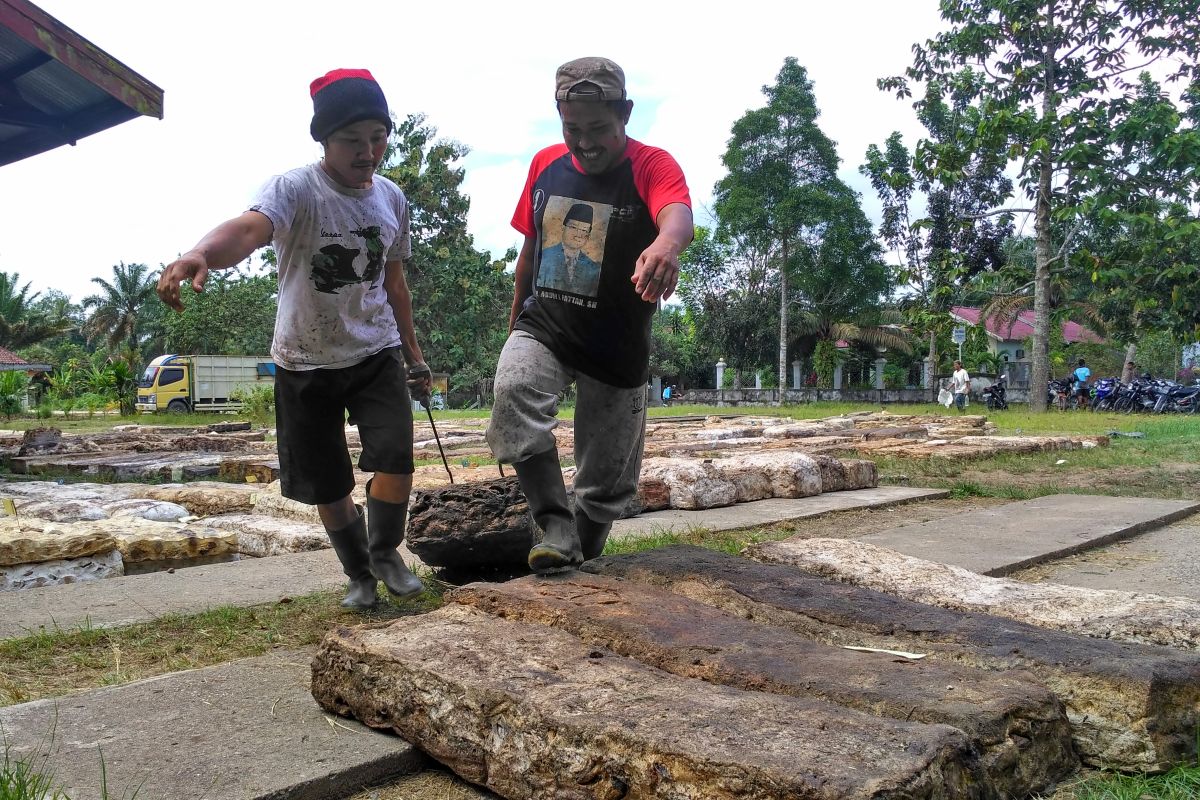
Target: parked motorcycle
x,y
1105,393
1060,393
996,396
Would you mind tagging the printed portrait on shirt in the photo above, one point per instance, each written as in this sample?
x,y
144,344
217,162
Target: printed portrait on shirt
x,y
573,234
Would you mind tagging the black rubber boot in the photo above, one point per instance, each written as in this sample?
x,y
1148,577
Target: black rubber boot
x,y
592,535
542,482
350,544
385,532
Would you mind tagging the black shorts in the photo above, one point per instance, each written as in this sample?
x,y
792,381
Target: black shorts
x,y
310,414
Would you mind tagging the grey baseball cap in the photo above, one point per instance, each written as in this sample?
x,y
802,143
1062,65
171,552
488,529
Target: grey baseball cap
x,y
591,78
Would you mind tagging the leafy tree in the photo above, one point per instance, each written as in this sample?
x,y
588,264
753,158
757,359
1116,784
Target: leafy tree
x,y
1142,239
461,296
783,202
1048,72
23,322
728,290
116,312
935,222
675,352
234,315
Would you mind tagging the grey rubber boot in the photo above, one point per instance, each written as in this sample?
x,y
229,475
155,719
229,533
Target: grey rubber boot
x,y
350,544
385,532
592,535
542,482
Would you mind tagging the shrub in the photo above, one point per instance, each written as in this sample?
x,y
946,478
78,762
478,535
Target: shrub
x,y
258,403
12,393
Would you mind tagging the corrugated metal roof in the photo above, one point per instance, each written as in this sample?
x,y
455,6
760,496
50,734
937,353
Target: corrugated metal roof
x,y
57,87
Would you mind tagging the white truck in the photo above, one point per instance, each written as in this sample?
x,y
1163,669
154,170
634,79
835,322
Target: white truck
x,y
184,383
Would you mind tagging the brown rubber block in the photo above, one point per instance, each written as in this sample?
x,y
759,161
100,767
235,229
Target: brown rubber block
x,y
1132,707
533,712
1019,727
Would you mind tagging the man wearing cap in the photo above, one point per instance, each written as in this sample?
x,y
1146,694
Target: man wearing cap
x,y
343,330
595,334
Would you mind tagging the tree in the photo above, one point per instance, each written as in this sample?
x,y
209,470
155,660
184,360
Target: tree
x,y
116,311
461,296
23,322
1142,241
782,197
675,351
234,315
1048,72
725,288
954,239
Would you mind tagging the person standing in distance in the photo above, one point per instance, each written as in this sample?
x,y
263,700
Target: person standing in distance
x,y
960,384
593,333
1082,375
343,329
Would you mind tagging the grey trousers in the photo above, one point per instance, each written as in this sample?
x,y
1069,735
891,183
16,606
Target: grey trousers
x,y
610,424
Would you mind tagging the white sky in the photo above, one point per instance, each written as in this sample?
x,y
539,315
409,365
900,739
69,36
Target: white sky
x,y
237,108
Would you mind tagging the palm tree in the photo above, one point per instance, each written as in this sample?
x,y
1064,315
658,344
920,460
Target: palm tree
x,y
118,307
1009,291
878,329
21,325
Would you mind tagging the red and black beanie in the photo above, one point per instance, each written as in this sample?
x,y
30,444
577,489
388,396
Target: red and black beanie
x,y
343,97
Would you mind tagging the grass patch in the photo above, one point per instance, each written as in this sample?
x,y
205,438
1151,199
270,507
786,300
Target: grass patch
x,y
1181,783
731,542
54,662
27,779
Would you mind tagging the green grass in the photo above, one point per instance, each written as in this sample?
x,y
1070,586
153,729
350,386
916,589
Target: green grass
x,y
51,662
1181,783
26,779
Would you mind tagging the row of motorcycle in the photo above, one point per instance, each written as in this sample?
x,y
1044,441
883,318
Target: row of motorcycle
x,y
1148,394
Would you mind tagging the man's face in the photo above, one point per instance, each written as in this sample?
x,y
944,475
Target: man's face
x,y
353,153
575,234
594,133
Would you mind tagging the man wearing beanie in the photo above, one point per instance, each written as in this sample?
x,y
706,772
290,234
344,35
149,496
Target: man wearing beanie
x,y
343,330
625,206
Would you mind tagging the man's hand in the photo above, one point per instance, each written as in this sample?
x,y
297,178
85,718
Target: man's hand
x,y
188,267
420,382
657,272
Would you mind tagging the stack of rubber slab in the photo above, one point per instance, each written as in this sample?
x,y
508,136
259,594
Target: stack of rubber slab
x,y
684,672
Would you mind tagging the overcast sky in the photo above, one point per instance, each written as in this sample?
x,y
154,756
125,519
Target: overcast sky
x,y
237,107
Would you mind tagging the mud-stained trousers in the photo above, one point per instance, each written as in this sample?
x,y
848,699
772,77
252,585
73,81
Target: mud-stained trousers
x,y
610,424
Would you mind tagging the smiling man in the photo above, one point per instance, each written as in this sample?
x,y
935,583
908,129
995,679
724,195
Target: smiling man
x,y
343,330
625,208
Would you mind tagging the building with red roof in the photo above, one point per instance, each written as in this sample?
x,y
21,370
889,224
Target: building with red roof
x,y
1007,338
10,361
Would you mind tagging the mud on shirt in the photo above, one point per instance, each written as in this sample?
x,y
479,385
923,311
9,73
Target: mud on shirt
x,y
590,231
331,243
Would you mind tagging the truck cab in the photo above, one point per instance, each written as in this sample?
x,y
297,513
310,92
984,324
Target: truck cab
x,y
165,385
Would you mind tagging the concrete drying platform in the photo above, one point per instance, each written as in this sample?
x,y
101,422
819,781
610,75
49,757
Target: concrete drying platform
x,y
255,581
241,731
769,512
998,541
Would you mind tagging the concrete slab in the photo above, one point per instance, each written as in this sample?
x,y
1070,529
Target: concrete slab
x,y
1001,540
769,512
141,598
255,581
245,730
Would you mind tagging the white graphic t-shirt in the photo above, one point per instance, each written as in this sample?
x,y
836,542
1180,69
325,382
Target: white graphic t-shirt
x,y
331,244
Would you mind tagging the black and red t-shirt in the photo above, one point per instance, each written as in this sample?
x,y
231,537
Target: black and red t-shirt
x,y
589,232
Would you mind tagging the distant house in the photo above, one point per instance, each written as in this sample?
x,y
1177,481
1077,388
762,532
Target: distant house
x,y
1008,339
11,362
